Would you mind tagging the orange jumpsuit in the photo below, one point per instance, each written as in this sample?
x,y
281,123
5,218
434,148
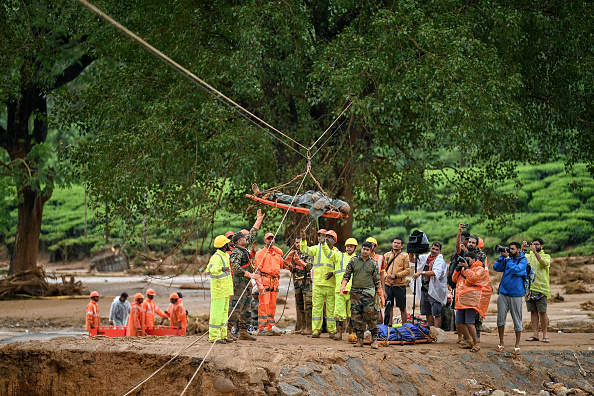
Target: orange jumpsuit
x,y
177,314
137,320
150,309
92,315
270,261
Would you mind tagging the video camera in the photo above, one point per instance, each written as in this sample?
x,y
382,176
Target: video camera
x,y
502,249
417,242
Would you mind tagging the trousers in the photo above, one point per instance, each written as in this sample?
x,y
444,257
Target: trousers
x,y
217,325
321,294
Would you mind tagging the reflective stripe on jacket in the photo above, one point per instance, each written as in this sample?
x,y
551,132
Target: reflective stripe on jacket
x,y
339,260
92,315
321,266
221,283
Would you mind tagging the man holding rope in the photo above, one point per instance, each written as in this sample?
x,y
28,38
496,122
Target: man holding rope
x,y
243,271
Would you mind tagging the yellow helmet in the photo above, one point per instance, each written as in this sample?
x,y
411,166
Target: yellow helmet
x,y
351,241
220,241
372,240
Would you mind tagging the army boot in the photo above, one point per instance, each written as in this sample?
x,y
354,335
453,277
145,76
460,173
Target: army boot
x,y
307,324
299,326
359,343
339,330
230,336
244,335
374,342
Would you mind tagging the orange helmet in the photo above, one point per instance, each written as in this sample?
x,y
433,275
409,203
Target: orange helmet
x,y
94,294
332,234
229,234
138,295
150,292
173,295
268,235
322,231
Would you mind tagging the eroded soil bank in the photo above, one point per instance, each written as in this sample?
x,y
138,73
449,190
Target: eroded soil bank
x,y
289,365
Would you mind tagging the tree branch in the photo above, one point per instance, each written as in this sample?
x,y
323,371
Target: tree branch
x,y
344,21
73,71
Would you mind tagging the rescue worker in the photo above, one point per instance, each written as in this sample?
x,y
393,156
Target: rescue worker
x,y
301,265
136,324
92,316
379,259
151,308
120,310
221,289
366,286
323,289
177,313
269,261
243,271
342,302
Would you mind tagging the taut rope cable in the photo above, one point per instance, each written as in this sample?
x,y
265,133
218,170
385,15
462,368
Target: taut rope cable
x,y
177,66
329,137
334,122
242,293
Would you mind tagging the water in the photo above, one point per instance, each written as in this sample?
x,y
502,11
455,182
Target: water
x,y
38,336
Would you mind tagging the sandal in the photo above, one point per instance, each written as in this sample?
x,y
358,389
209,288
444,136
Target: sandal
x,y
500,348
532,339
467,346
462,341
475,348
516,351
547,339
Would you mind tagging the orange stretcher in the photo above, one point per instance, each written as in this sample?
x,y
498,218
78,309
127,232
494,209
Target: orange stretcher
x,y
108,331
330,213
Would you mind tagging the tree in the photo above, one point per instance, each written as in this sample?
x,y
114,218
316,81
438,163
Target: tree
x,y
43,48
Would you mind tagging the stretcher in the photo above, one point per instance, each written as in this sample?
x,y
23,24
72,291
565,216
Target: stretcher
x,y
367,341
108,331
330,213
164,330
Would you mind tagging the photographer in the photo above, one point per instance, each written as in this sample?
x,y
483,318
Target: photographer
x,y
540,289
473,292
512,263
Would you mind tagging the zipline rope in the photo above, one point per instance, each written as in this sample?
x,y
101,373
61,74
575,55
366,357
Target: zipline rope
x,y
242,293
327,129
181,69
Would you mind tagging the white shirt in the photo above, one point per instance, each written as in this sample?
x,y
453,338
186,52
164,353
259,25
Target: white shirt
x,y
438,286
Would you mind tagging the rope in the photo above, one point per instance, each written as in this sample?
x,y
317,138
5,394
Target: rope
x,y
316,142
181,69
242,293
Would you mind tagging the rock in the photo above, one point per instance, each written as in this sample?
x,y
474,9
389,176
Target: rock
x,y
286,369
223,385
544,393
561,391
498,392
288,390
341,370
304,371
257,376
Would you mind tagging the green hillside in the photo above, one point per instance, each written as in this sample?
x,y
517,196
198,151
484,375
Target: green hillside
x,y
552,204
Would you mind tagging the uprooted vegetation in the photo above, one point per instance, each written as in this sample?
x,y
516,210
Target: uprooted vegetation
x,y
35,283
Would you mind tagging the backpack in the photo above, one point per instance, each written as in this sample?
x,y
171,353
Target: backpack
x,y
452,269
530,274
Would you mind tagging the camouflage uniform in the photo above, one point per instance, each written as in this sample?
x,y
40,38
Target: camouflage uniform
x,y
366,282
302,286
241,262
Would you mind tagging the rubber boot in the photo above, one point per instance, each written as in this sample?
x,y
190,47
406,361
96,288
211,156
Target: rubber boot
x,y
374,342
308,324
315,335
359,343
230,336
339,329
299,325
244,335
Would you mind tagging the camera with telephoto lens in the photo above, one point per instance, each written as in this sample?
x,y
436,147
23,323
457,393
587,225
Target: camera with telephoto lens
x,y
502,249
458,260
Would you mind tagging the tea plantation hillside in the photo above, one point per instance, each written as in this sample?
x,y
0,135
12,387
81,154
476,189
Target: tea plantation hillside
x,y
552,204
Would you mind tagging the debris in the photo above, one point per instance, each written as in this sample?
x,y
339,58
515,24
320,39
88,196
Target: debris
x,y
577,287
519,392
224,385
587,306
556,298
34,283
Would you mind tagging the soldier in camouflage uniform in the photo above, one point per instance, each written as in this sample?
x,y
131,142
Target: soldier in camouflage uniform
x,y
243,271
366,284
300,265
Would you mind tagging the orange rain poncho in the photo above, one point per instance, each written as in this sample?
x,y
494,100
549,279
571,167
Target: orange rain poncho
x,y
92,315
136,320
474,291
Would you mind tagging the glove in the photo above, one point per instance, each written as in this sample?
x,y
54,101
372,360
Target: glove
x,y
259,218
329,275
226,270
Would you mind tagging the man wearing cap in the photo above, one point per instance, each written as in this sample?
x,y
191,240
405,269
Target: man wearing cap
x,y
136,324
151,308
120,310
300,264
243,271
366,286
177,313
221,289
394,272
323,289
92,312
269,260
342,302
379,259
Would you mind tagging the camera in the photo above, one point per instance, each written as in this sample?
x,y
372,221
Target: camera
x,y
458,260
417,243
502,249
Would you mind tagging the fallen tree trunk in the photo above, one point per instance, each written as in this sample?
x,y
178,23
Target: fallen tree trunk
x,y
34,283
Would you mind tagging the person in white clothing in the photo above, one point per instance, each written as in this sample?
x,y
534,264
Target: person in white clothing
x,y
432,282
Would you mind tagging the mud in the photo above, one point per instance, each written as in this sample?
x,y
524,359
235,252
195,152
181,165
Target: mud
x,y
289,365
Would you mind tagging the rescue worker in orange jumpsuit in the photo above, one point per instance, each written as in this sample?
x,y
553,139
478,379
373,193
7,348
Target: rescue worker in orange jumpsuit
x,y
92,312
150,309
177,313
136,323
268,261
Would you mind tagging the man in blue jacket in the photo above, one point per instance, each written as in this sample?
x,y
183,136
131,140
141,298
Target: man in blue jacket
x,y
511,290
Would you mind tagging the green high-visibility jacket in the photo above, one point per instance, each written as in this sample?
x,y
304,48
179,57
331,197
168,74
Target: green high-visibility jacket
x,y
339,260
321,266
221,283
